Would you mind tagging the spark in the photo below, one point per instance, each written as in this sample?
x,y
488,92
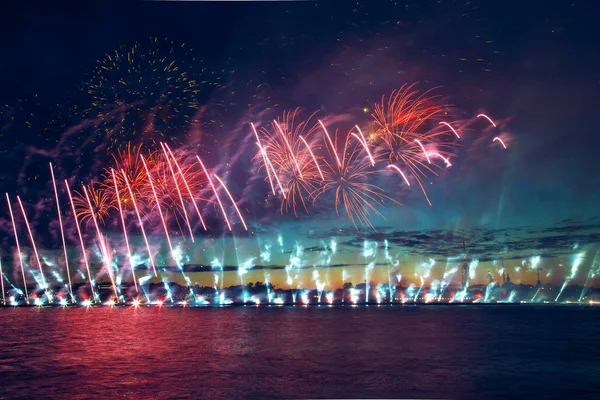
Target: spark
x,y
232,201
37,257
440,156
215,192
124,230
499,140
400,172
363,141
12,218
160,213
313,157
264,154
102,245
450,126
488,118
62,233
83,253
137,213
424,151
331,143
289,147
187,187
187,220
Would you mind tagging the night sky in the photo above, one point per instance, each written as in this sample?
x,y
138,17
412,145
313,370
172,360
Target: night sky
x,y
532,66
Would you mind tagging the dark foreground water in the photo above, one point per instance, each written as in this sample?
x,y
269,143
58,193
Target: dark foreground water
x,y
478,352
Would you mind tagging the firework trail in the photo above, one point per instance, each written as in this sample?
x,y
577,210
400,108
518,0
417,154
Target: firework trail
x,y
102,246
129,160
403,122
270,165
348,183
451,128
12,218
232,201
363,142
265,159
83,252
139,217
215,192
293,164
62,233
435,154
130,259
400,172
333,148
37,257
187,220
312,156
2,281
289,148
499,140
187,187
95,205
488,118
160,213
424,151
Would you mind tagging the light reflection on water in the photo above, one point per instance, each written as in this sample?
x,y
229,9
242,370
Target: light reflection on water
x,y
297,352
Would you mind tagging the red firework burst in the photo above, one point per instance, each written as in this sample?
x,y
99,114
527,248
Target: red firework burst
x,y
407,128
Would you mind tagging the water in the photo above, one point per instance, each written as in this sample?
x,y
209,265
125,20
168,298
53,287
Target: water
x,y
477,352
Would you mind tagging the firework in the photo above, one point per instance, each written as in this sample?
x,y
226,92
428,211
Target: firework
x,y
187,186
2,282
145,91
333,148
12,218
35,252
160,213
349,184
139,217
98,207
168,185
497,139
312,155
129,161
294,165
62,233
102,245
268,165
124,229
400,172
450,127
232,201
404,124
83,252
176,179
364,143
488,118
214,192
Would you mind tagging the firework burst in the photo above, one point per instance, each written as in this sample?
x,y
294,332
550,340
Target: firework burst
x,y
129,161
100,204
407,128
287,149
347,178
173,185
144,92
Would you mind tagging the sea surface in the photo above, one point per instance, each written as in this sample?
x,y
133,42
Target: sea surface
x,y
437,352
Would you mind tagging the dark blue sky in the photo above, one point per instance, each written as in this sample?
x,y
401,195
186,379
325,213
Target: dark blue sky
x,y
533,66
